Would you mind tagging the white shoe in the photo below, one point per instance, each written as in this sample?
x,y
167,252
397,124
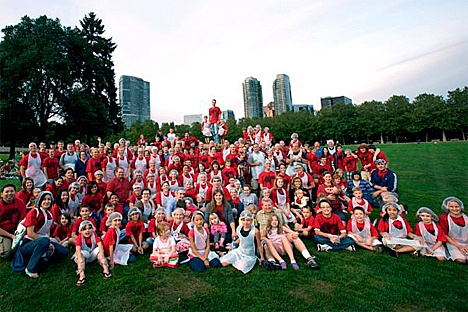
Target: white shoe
x,y
323,247
351,248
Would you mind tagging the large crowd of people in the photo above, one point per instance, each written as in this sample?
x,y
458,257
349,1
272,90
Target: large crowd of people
x,y
178,200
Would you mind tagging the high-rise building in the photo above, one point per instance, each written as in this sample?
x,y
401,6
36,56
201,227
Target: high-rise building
x,y
282,94
303,107
228,114
190,119
253,98
329,101
134,95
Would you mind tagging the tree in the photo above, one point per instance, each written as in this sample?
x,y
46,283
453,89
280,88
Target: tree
x,y
35,77
457,111
396,118
369,120
428,114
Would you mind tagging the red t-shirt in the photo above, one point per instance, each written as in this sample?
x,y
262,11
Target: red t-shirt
x,y
62,232
33,218
306,222
214,113
135,229
110,239
443,222
52,166
93,165
76,225
93,201
121,188
382,226
184,229
332,225
11,214
267,179
88,240
360,226
350,163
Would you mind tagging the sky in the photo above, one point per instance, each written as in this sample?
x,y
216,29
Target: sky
x,y
194,51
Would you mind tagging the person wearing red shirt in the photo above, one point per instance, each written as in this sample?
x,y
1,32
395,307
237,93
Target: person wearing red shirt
x,y
228,172
431,234
93,199
214,114
12,211
216,184
330,233
454,223
120,186
51,167
60,150
350,162
134,230
99,175
93,164
31,166
367,162
307,179
266,179
362,231
305,227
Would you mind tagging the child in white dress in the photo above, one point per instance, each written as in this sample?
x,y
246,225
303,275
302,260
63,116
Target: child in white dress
x,y
243,258
429,233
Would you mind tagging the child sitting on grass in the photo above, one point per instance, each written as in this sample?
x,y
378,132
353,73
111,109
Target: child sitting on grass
x,y
89,248
276,243
306,226
395,230
330,233
62,232
244,257
200,255
430,234
134,230
164,248
362,231
455,225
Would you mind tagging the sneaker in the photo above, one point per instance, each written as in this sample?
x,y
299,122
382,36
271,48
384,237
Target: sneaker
x,y
323,247
377,249
295,266
283,265
312,264
351,248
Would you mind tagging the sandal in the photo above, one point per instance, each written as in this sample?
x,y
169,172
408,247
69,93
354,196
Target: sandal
x,y
31,274
81,282
106,275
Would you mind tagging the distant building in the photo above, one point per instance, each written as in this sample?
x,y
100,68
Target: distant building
x,y
190,119
301,107
330,101
282,94
228,114
134,95
269,109
253,98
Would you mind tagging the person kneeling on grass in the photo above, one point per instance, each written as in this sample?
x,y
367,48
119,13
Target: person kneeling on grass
x,y
330,233
362,231
395,230
430,234
89,248
200,255
244,257
454,222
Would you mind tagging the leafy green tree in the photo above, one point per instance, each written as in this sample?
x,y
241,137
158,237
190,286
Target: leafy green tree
x,y
369,121
428,114
457,111
396,118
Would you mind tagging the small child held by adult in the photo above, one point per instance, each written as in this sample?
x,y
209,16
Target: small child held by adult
x,y
218,230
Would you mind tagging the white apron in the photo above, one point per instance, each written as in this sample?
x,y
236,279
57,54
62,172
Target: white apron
x,y
430,240
122,251
110,168
242,258
34,170
458,234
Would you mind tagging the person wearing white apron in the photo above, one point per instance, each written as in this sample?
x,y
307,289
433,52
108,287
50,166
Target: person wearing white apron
x,y
140,162
364,236
455,224
243,258
122,162
86,253
33,168
166,196
395,237
74,201
110,167
36,243
281,199
120,252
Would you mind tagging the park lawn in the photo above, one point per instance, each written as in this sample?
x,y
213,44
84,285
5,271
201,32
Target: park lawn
x,y
347,281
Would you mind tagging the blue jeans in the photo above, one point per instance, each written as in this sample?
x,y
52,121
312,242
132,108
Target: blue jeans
x,y
197,264
344,242
36,248
214,132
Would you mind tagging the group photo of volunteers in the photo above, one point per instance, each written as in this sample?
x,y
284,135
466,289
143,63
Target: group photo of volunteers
x,y
175,200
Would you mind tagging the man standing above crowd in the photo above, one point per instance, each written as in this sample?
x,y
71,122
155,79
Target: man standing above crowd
x,y
31,166
214,114
12,211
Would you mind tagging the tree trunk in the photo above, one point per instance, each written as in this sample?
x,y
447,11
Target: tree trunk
x,y
12,150
463,135
427,136
381,139
444,138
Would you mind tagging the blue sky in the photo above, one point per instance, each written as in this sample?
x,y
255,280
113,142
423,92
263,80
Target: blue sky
x,y
193,51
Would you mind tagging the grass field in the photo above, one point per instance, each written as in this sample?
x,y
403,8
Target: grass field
x,y
360,281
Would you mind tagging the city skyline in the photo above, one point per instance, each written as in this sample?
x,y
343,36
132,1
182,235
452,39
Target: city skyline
x,y
194,52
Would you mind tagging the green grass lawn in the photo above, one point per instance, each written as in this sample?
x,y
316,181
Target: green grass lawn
x,y
361,281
